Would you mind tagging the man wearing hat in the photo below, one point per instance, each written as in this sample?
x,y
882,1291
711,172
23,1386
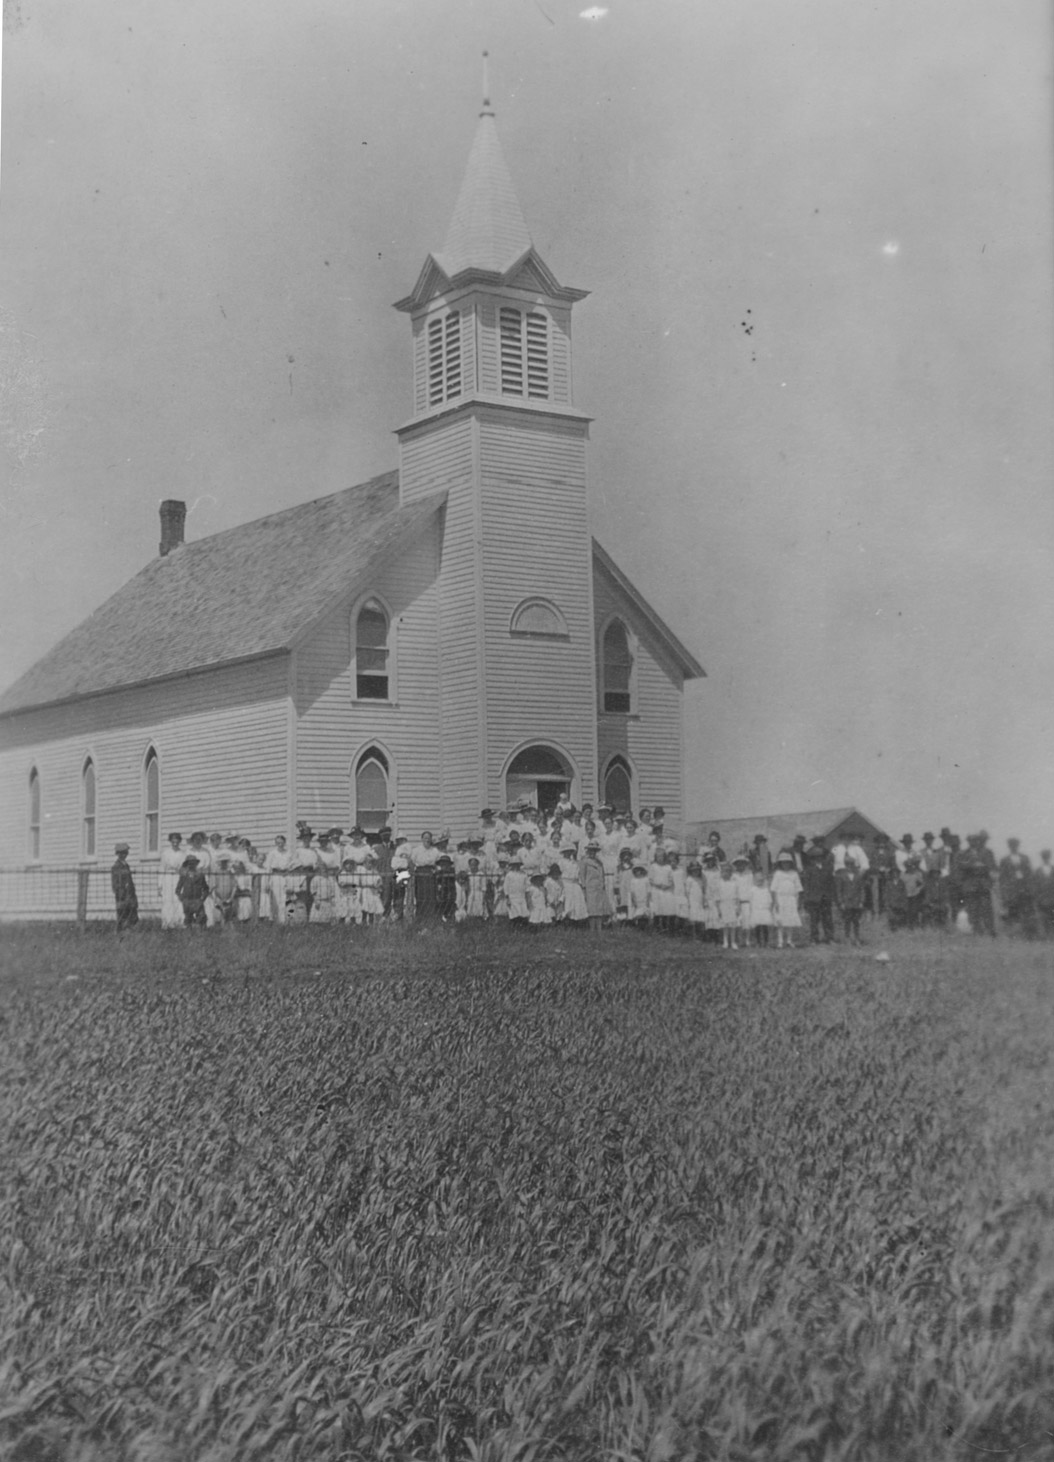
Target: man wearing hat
x,y
762,858
123,885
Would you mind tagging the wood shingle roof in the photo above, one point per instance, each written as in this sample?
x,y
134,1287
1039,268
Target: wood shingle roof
x,y
236,595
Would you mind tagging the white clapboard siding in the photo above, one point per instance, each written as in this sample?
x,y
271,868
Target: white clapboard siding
x,y
536,543
652,737
442,455
222,740
333,728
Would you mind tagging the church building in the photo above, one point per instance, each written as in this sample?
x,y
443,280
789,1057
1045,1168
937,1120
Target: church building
x,y
443,638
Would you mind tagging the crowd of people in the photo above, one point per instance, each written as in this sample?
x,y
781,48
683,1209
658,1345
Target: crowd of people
x,y
594,867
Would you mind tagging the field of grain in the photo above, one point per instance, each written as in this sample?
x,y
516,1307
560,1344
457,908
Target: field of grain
x,y
295,1195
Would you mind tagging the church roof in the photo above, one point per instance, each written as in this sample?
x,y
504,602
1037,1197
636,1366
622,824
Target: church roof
x,y
686,661
236,595
487,230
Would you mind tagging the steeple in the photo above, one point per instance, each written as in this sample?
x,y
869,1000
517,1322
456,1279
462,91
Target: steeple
x,y
487,230
488,238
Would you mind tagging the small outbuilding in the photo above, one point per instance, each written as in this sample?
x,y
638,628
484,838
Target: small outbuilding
x,y
780,828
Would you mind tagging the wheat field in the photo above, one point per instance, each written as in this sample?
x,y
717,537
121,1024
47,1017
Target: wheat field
x,y
313,1194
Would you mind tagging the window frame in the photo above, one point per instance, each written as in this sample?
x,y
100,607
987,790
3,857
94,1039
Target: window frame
x,y
151,757
620,761
89,841
632,648
379,754
538,601
363,602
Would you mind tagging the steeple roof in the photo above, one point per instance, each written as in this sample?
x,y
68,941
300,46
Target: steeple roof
x,y
487,230
488,239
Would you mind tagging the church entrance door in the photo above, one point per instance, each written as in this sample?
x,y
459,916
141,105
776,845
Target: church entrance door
x,y
538,775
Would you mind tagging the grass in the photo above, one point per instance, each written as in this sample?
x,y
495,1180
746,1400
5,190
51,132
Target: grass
x,y
300,1195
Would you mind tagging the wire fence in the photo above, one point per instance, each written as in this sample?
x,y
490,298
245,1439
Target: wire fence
x,y
84,892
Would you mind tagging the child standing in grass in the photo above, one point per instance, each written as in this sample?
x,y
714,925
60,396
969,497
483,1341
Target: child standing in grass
x,y
695,894
786,890
639,896
192,890
744,881
849,895
539,913
761,910
623,880
554,891
728,905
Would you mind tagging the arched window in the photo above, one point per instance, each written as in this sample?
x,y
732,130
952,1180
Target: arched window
x,y
34,815
538,619
617,671
371,790
151,802
88,795
618,785
371,652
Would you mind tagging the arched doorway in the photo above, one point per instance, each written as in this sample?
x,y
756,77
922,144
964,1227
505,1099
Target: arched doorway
x,y
538,775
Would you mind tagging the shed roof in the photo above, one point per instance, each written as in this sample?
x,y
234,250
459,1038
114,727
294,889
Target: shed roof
x,y
243,593
780,828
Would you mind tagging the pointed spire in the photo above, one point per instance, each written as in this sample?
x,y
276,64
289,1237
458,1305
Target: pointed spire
x,y
487,230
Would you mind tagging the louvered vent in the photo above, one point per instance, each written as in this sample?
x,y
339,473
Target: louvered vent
x,y
537,356
511,353
444,358
524,354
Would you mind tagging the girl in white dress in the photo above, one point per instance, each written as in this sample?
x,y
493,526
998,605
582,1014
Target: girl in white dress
x,y
639,896
728,904
539,912
744,881
761,910
663,902
695,894
786,890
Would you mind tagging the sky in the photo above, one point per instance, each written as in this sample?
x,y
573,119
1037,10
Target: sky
x,y
817,347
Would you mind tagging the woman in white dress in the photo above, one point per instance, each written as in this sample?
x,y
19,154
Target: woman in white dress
x,y
276,863
168,876
575,910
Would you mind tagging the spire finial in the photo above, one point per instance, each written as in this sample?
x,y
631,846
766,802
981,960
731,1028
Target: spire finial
x,y
487,111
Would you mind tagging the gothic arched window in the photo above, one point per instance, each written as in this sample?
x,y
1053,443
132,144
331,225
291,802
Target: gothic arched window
x,y
88,798
371,652
618,785
151,802
616,657
371,790
34,815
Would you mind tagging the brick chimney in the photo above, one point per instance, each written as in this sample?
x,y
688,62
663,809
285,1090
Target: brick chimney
x,y
173,516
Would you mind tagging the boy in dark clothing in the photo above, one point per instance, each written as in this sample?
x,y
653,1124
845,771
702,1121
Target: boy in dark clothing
x,y
124,894
192,890
850,887
817,880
